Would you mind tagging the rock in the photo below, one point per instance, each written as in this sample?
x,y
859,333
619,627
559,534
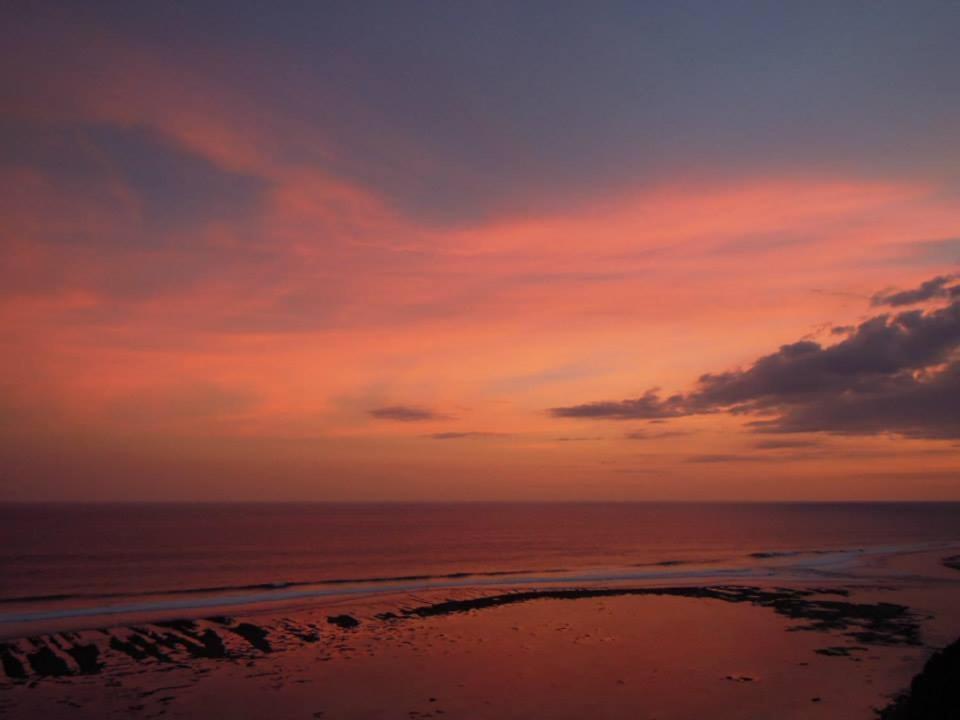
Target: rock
x,y
11,664
253,634
839,650
46,662
211,645
86,658
934,694
344,621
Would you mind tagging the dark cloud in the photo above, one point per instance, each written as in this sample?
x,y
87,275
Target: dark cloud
x,y
650,405
936,288
814,453
785,444
897,374
462,435
173,187
647,435
709,458
923,405
406,413
450,109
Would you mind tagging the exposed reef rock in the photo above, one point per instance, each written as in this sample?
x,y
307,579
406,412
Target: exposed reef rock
x,y
870,623
86,658
255,635
220,637
47,663
840,650
344,621
12,665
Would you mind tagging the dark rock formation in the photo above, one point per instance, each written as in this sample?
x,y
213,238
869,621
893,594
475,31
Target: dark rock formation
x,y
934,694
211,645
840,650
86,658
138,647
11,664
870,623
253,634
344,621
46,662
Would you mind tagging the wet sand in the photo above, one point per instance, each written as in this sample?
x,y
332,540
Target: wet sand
x,y
843,644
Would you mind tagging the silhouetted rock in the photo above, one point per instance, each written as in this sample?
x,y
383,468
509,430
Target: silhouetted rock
x,y
934,694
46,662
127,648
139,648
86,658
11,664
212,645
839,650
187,627
253,634
344,621
871,623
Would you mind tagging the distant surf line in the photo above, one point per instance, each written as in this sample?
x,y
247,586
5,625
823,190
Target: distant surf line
x,y
820,560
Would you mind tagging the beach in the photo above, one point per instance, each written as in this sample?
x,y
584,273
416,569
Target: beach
x,y
803,633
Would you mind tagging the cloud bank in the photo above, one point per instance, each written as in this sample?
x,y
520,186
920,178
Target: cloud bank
x,y
939,287
464,435
406,413
892,374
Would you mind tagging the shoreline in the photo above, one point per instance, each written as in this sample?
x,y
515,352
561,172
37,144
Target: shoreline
x,y
848,639
83,653
179,667
39,614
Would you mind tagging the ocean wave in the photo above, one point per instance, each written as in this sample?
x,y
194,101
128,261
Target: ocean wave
x,y
198,600
280,585
424,577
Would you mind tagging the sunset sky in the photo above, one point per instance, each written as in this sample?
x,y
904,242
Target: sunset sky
x,y
442,250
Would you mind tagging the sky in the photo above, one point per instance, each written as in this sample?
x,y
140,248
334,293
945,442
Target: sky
x,y
480,251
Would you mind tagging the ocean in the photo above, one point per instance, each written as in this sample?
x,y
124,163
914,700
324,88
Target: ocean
x,y
75,560
731,610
